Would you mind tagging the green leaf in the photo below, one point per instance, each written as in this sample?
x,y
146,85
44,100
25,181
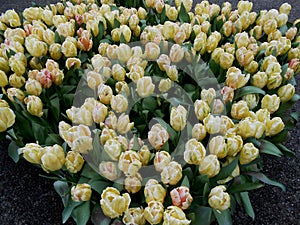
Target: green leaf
x,y
98,218
81,214
223,217
62,188
248,90
54,139
99,185
202,216
183,15
150,103
247,204
69,209
286,151
234,188
226,170
265,179
283,29
13,151
40,132
185,182
122,39
206,191
89,172
215,67
269,148
163,16
55,108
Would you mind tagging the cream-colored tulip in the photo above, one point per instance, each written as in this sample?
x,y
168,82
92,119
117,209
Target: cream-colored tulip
x,y
209,166
219,199
194,152
113,204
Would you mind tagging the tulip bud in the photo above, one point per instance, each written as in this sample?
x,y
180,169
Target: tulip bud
x,y
109,170
218,146
55,51
4,65
81,192
134,216
53,158
12,18
154,212
194,152
227,28
123,53
240,110
235,79
18,63
171,13
49,36
269,26
286,92
69,49
176,53
112,203
213,41
123,124
251,128
32,153
218,199
34,105
178,118
15,92
105,93
181,197
35,47
161,160
259,79
119,103
145,87
270,102
172,173
113,148
154,191
74,162
73,63
202,109
157,136
133,183
33,87
3,79
209,166
274,126
199,131
242,40
129,162
175,215
248,154
164,85
234,144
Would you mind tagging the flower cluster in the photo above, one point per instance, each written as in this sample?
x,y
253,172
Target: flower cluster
x,y
149,112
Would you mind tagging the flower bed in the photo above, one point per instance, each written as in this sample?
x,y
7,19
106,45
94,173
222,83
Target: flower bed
x,y
152,114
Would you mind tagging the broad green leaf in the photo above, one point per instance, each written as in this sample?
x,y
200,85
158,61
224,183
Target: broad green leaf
x,y
286,151
247,204
13,151
89,172
206,191
265,179
185,182
122,39
269,148
234,188
62,188
215,67
150,103
202,216
99,185
183,15
81,214
55,108
226,171
223,217
54,139
69,209
40,132
248,90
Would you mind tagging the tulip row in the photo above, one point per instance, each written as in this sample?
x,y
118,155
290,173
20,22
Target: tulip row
x,y
148,113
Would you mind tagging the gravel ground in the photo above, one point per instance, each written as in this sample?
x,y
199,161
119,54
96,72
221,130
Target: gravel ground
x,y
27,199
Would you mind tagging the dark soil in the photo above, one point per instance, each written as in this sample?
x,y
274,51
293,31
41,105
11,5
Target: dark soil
x,y
28,199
